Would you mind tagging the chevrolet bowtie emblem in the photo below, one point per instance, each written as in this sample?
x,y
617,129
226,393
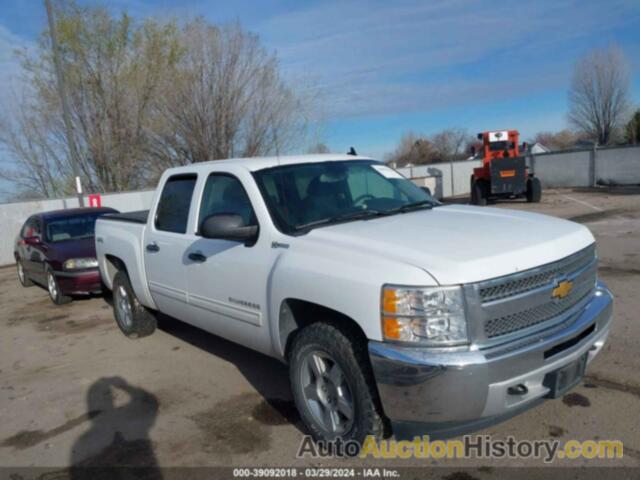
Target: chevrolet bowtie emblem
x,y
563,289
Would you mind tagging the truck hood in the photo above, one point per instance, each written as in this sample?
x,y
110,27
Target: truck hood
x,y
461,244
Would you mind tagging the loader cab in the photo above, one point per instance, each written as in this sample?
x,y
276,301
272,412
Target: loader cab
x,y
499,144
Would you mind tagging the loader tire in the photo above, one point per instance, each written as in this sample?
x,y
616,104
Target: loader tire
x,y
534,190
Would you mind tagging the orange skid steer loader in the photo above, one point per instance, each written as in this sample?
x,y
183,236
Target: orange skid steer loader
x,y
504,173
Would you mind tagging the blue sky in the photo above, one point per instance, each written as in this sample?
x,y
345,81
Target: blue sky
x,y
386,67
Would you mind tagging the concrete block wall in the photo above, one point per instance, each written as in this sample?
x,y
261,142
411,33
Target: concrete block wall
x,y
578,168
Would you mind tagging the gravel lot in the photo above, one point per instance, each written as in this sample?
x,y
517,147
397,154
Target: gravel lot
x,y
74,390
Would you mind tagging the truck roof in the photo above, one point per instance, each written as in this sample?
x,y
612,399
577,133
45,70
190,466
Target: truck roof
x,y
259,163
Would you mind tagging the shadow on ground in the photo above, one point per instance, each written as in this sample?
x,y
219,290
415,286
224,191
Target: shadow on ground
x,y
121,416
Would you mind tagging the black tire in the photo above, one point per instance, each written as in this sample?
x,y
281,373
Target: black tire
x,y
343,348
478,192
141,322
534,190
25,281
55,294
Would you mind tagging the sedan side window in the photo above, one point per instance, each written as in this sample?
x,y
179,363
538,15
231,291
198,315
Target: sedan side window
x,y
224,193
31,228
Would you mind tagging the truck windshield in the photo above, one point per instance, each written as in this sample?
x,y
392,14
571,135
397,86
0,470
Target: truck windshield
x,y
305,196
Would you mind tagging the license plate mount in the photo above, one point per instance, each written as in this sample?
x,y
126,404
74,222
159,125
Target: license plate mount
x,y
565,378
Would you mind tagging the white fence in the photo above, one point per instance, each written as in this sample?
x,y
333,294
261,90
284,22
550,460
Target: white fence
x,y
13,215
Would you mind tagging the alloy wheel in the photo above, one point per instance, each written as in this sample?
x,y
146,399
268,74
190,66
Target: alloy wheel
x,y
53,288
326,392
20,272
123,307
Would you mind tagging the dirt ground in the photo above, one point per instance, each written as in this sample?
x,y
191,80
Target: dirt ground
x,y
74,390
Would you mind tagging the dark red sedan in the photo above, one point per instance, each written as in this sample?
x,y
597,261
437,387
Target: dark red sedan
x,y
57,250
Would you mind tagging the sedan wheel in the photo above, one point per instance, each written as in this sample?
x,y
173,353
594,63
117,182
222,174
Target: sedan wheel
x,y
53,288
25,281
20,272
55,293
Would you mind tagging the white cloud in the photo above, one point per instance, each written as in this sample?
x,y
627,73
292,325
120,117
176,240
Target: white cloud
x,y
412,55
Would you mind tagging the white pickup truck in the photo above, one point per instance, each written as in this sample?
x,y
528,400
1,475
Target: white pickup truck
x,y
394,313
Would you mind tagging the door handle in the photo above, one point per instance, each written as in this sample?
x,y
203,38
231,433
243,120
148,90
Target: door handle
x,y
197,257
153,247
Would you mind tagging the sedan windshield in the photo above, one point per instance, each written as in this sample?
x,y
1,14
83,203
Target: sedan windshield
x,y
304,196
71,228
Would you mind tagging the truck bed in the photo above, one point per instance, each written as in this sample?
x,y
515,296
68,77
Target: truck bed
x,y
139,216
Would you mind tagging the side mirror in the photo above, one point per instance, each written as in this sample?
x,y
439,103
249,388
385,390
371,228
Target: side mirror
x,y
33,240
427,190
228,226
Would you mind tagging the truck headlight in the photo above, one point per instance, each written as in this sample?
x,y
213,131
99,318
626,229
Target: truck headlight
x,y
432,316
80,263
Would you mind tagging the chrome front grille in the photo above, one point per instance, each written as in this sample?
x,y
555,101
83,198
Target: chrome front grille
x,y
524,302
538,277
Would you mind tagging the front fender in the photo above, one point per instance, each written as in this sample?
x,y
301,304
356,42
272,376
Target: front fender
x,y
347,282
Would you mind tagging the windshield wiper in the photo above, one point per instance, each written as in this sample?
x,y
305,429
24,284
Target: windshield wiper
x,y
359,214
411,206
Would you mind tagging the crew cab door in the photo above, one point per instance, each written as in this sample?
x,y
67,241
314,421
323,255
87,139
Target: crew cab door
x,y
165,245
228,280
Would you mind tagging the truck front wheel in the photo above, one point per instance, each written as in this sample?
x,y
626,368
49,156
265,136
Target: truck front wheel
x,y
133,318
333,385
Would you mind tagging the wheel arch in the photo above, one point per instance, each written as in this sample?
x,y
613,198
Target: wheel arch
x,y
295,314
113,265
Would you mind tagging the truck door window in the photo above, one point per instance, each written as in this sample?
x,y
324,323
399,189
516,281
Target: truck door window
x,y
224,193
173,208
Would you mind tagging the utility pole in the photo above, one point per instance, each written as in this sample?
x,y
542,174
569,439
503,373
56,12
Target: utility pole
x,y
62,92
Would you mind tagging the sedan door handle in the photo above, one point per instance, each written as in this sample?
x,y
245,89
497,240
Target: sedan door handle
x,y
197,257
153,247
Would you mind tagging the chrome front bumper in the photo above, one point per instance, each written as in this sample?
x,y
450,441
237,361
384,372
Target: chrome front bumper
x,y
446,393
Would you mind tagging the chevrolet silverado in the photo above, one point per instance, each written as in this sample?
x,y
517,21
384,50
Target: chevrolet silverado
x,y
394,312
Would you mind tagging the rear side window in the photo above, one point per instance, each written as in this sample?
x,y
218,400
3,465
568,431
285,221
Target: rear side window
x,y
173,208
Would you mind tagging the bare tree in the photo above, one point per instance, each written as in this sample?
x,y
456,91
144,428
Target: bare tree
x,y
144,96
412,150
113,69
38,169
445,146
452,144
225,99
599,94
561,140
